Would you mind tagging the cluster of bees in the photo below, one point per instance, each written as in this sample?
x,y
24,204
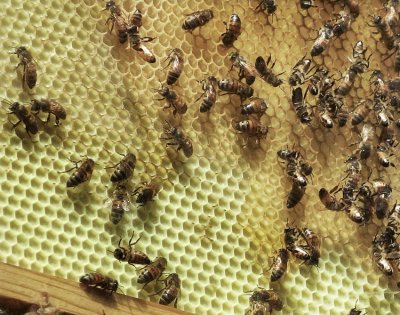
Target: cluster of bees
x,y
152,271
297,169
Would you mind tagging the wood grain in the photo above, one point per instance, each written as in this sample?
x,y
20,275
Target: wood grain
x,y
27,286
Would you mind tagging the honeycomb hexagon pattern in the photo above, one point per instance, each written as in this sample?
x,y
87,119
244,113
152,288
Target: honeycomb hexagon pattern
x,y
220,214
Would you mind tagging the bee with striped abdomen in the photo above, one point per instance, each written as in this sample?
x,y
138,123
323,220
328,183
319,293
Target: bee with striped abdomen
x,y
135,18
300,105
197,19
299,71
25,116
131,255
295,195
171,290
233,30
321,43
119,202
360,112
383,28
96,279
174,101
329,200
314,244
146,192
246,71
29,73
82,174
124,168
51,107
266,73
176,60
342,23
257,106
252,128
176,137
232,86
152,271
117,21
279,264
209,87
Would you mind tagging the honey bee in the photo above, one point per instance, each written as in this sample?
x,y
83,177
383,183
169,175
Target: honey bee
x,y
294,170
266,73
354,7
171,291
324,116
381,262
358,214
136,43
23,114
209,87
314,244
382,115
295,195
232,86
346,83
50,107
232,31
245,70
124,168
279,264
365,146
351,186
355,311
394,219
146,54
392,18
252,128
383,28
319,76
307,4
382,151
269,6
299,71
257,106
387,136
146,192
96,279
120,202
176,61
342,23
273,299
175,136
291,235
300,106
176,102
287,155
135,18
329,200
152,271
383,193
82,174
117,21
263,301
360,112
25,59
131,255
197,19
322,41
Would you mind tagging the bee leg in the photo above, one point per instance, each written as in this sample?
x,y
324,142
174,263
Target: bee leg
x,y
112,24
57,122
20,64
14,125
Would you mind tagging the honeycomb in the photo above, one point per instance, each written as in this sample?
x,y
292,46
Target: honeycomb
x,y
220,213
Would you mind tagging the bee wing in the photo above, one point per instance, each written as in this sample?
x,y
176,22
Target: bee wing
x,y
108,203
260,64
297,95
126,204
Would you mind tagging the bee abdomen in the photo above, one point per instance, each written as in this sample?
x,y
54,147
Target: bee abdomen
x,y
31,75
138,257
117,214
121,174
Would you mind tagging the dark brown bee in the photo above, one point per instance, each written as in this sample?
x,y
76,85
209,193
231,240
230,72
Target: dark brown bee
x,y
314,244
357,214
135,18
131,255
384,30
119,202
287,155
294,170
320,74
325,118
245,69
354,7
346,83
295,195
382,151
209,87
233,30
299,71
394,219
322,41
96,279
25,59
382,193
117,21
124,168
256,106
264,301
252,128
300,106
82,173
232,86
176,102
197,19
146,192
269,6
360,112
387,136
291,235
273,300
152,271
51,107
329,200
307,4
382,115
279,264
361,214
342,23
171,291
378,257
176,61
266,73
175,136
23,114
